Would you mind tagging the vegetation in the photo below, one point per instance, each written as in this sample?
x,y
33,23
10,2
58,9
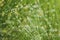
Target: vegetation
x,y
29,19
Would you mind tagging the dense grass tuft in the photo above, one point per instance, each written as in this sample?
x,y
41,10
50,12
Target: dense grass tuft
x,y
29,20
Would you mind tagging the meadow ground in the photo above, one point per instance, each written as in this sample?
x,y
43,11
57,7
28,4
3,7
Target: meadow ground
x,y
29,20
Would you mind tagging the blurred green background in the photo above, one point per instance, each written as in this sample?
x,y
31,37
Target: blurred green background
x,y
29,19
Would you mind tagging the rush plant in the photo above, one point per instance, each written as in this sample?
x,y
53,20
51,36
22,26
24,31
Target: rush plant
x,y
29,20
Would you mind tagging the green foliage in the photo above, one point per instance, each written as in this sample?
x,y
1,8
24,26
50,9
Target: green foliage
x,y
29,20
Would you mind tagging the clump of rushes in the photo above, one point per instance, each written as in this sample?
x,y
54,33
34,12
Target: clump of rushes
x,y
29,20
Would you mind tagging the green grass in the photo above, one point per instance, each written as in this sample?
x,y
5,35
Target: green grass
x,y
29,20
